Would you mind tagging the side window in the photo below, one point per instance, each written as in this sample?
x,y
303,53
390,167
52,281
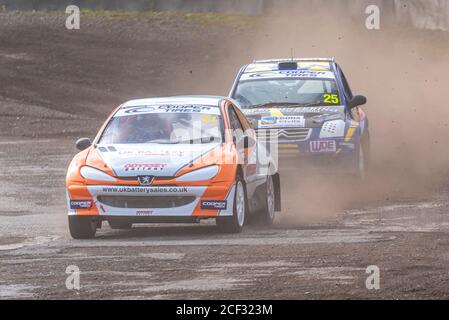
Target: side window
x,y
348,92
245,123
248,127
236,126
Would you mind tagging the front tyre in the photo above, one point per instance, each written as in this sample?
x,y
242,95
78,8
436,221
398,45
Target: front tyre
x,y
120,225
235,223
268,211
82,227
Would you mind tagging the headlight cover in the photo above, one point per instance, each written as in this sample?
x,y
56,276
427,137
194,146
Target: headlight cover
x,y
333,129
95,174
200,174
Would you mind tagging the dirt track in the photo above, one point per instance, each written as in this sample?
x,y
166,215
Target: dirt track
x,y
59,84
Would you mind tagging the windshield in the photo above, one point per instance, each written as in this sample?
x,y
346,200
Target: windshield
x,y
163,128
287,91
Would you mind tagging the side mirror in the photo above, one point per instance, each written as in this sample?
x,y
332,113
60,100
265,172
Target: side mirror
x,y
357,101
83,143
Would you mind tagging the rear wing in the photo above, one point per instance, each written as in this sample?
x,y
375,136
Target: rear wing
x,y
330,60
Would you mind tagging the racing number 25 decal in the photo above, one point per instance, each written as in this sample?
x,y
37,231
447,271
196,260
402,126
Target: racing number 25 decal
x,y
331,98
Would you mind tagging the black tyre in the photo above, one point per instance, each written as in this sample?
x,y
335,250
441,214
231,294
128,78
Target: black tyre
x,y
267,214
235,223
120,225
82,227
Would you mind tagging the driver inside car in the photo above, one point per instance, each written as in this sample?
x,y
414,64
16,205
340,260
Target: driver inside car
x,y
144,128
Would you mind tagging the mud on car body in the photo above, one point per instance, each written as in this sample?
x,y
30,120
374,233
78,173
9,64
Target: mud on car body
x,y
307,108
179,159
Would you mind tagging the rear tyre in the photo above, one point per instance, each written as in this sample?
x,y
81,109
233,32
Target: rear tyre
x,y
268,211
82,227
235,223
120,225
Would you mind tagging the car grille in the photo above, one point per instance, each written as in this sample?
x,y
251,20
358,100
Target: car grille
x,y
156,178
283,135
146,202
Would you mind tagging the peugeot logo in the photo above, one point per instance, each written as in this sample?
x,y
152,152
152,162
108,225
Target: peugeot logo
x,y
145,180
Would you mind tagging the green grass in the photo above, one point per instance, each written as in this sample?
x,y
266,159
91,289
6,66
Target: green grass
x,y
200,18
204,19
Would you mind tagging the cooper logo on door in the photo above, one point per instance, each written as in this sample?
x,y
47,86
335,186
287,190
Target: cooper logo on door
x,y
323,146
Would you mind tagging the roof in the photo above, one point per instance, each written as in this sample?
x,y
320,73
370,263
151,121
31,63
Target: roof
x,y
180,104
177,100
330,60
302,68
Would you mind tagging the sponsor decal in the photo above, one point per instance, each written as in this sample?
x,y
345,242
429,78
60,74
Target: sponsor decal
x,y
143,153
269,121
146,190
145,180
296,111
81,204
282,122
350,133
192,108
167,108
289,74
323,146
292,74
145,166
144,213
141,109
214,204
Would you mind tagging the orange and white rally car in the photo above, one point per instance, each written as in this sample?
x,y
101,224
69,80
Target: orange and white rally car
x,y
179,159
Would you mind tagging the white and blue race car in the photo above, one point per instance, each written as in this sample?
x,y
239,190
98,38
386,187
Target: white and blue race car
x,y
306,106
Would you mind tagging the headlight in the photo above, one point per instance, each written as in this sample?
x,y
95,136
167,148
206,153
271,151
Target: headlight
x,y
200,174
95,174
333,129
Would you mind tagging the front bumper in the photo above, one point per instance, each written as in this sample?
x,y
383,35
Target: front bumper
x,y
152,201
310,142
334,147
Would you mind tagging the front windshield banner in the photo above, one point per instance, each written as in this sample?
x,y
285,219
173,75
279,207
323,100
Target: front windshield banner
x,y
187,108
164,124
282,74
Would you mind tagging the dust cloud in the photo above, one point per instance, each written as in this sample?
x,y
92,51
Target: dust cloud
x,y
403,72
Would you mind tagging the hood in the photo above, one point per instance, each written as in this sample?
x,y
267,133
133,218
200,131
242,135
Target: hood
x,y
163,160
299,117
